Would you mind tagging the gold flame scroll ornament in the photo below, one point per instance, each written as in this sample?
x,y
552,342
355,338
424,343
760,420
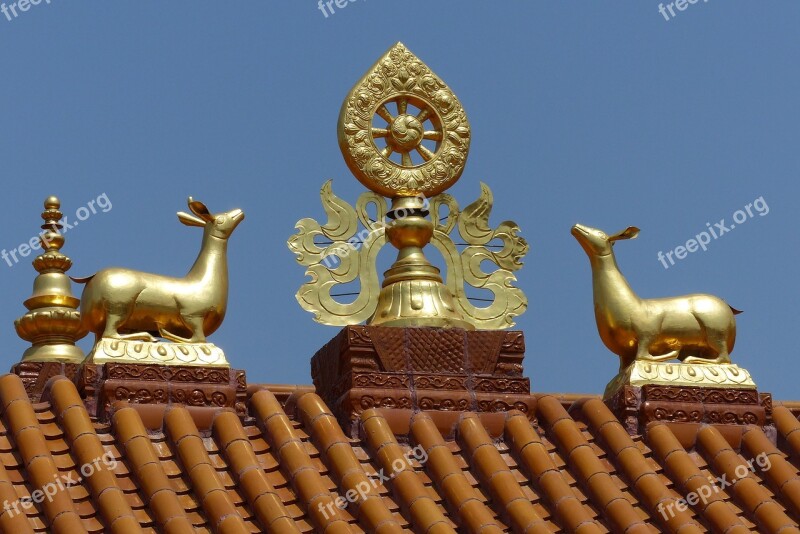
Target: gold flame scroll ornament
x,y
404,135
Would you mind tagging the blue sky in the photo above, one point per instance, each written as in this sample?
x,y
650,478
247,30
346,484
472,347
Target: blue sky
x,y
594,112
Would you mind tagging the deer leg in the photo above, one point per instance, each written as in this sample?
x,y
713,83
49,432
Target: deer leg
x,y
194,324
643,352
718,345
113,322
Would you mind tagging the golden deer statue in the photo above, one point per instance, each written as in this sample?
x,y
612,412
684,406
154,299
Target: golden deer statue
x,y
126,304
694,328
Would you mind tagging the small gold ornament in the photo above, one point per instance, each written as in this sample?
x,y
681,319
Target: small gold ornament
x,y
53,324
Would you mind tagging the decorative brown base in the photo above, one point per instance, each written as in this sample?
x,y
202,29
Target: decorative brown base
x,y
35,375
636,406
436,370
150,388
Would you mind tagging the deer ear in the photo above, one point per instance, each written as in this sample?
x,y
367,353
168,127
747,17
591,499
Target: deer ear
x,y
200,209
628,233
190,220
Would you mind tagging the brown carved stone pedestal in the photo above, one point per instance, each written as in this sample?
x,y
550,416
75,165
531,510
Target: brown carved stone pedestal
x,y
150,388
442,371
688,407
35,375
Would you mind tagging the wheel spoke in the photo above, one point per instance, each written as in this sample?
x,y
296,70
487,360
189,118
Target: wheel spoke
x,y
379,132
402,106
426,154
423,115
386,152
434,135
384,113
407,160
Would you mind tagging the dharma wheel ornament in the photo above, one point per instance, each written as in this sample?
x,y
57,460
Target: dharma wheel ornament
x,y
404,135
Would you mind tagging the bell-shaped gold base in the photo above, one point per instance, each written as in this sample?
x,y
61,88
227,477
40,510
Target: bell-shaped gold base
x,y
418,303
413,293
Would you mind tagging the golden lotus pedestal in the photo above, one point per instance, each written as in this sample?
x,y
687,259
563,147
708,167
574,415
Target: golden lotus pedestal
x,y
695,394
642,373
109,350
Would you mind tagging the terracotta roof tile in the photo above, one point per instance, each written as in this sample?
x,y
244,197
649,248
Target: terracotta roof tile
x,y
305,477
639,473
280,467
782,476
495,473
744,485
464,501
593,474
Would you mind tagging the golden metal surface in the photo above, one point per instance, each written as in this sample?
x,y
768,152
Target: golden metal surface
x,y
108,350
697,329
429,144
126,304
53,324
413,293
466,268
343,259
642,373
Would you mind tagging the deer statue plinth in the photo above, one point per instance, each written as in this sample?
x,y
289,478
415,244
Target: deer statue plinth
x,y
697,329
127,309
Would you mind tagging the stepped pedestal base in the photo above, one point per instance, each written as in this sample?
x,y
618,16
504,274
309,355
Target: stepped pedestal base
x,y
688,394
442,371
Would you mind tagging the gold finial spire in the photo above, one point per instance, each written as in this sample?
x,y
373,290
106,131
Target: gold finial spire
x,y
405,135
53,324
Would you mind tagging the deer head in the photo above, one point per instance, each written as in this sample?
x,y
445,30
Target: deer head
x,y
596,243
220,225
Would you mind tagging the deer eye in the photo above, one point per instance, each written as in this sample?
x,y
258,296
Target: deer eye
x,y
220,220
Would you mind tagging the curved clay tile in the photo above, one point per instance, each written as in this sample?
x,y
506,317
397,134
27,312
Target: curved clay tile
x,y
745,487
690,480
133,440
473,514
59,510
206,485
644,480
781,474
593,475
260,494
411,492
494,473
788,427
86,446
536,460
306,480
336,448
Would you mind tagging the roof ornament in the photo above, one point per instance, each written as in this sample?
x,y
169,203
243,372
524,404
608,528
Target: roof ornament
x,y
699,330
404,135
53,323
127,309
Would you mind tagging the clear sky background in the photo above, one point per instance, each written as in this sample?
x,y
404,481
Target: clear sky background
x,y
597,112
